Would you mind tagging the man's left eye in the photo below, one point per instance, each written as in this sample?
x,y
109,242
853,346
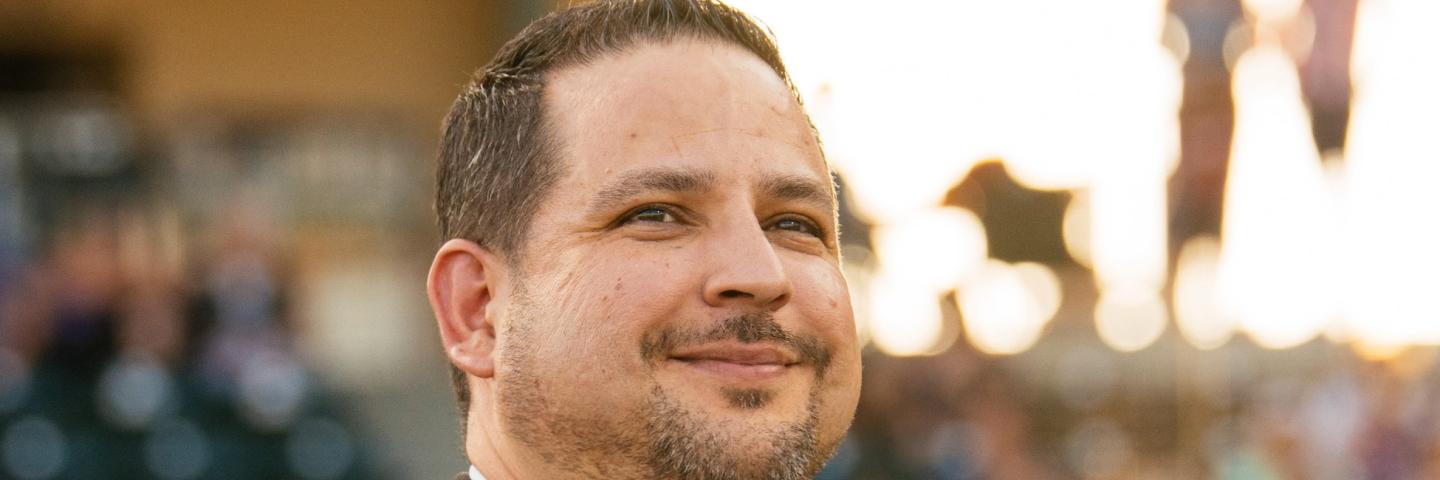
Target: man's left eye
x,y
797,225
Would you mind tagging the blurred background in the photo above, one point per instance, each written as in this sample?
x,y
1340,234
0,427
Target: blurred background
x,y
1099,240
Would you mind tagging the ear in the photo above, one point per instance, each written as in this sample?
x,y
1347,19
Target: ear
x,y
462,286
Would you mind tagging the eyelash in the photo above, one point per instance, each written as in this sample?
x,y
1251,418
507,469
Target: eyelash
x,y
630,216
809,226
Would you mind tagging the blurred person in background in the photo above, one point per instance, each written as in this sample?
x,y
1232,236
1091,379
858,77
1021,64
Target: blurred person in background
x,y
118,361
641,273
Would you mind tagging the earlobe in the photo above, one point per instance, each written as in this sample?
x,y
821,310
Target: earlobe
x,y
461,288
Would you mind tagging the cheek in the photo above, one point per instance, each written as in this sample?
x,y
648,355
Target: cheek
x,y
638,289
605,306
824,298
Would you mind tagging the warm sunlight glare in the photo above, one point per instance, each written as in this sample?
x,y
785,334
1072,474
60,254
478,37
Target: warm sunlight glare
x,y
906,320
1273,11
1278,232
1195,298
1392,187
1005,307
1130,320
933,248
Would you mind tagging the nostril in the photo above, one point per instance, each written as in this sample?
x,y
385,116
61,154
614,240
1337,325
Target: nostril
x,y
734,294
780,300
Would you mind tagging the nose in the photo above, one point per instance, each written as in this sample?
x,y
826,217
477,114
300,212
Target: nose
x,y
745,271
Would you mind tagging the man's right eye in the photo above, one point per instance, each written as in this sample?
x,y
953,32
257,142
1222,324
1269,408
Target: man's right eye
x,y
651,214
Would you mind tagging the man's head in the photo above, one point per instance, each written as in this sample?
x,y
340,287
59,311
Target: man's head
x,y
642,277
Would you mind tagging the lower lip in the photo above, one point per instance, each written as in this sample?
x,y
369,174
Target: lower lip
x,y
737,371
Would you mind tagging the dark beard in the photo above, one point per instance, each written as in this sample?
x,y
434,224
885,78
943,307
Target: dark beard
x,y
682,448
665,440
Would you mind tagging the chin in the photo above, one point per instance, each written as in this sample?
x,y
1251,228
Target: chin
x,y
770,401
706,430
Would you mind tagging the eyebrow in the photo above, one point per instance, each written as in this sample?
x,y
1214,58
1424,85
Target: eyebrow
x,y
657,179
783,187
798,188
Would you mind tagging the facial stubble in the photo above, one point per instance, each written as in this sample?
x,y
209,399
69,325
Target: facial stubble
x,y
659,437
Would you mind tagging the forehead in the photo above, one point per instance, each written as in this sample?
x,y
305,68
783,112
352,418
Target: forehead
x,y
688,103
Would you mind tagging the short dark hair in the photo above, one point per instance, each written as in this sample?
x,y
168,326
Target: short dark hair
x,y
498,157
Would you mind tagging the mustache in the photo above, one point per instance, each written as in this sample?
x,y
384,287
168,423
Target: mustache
x,y
745,328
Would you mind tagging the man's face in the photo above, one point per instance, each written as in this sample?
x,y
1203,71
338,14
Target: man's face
x,y
680,311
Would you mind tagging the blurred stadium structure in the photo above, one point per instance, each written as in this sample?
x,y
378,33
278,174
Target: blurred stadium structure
x,y
1101,240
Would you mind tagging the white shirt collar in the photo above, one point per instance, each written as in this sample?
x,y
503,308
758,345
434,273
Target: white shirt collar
x,y
475,474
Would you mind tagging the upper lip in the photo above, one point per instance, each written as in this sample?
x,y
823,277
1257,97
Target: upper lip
x,y
740,353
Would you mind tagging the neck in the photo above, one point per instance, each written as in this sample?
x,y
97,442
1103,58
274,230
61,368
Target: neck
x,y
501,457
483,440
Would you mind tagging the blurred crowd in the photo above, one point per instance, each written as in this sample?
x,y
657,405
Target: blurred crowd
x,y
136,344
115,365
1087,412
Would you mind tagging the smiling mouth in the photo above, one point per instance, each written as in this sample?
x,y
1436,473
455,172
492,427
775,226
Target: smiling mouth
x,y
738,362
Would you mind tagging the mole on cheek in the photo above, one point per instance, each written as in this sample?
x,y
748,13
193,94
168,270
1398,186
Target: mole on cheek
x,y
833,303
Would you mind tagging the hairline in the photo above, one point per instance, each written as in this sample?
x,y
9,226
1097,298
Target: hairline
x,y
552,147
